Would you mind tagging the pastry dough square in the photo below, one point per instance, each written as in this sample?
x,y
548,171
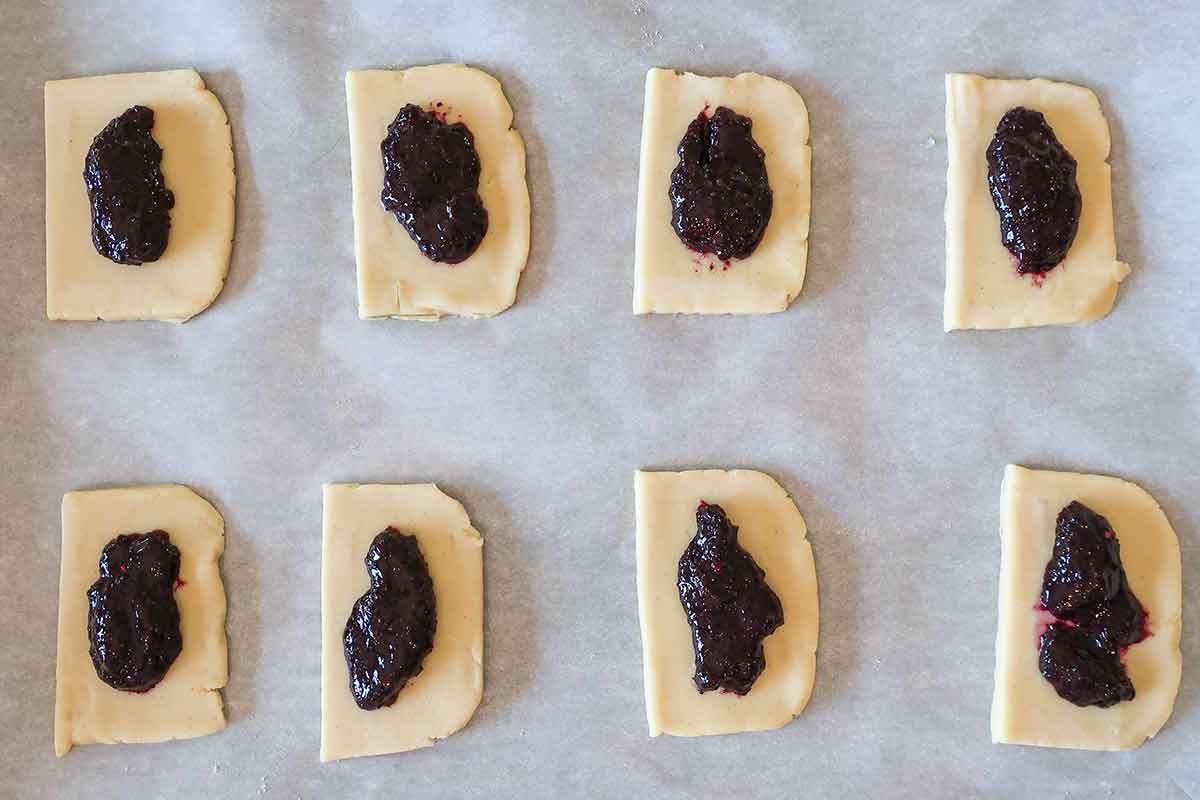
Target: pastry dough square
x,y
670,278
773,532
191,128
983,287
186,703
394,278
1025,707
443,697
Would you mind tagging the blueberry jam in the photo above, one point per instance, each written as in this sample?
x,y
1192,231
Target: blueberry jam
x,y
1032,180
1096,615
129,200
728,605
720,197
133,621
390,629
431,183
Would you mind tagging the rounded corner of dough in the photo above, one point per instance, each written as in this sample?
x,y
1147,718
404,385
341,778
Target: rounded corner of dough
x,y
205,505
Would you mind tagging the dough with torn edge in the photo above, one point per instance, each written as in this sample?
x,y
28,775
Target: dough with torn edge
x,y
443,697
187,702
983,287
773,532
670,278
1025,707
394,278
191,128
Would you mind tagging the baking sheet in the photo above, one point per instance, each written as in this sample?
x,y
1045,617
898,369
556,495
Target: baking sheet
x,y
891,435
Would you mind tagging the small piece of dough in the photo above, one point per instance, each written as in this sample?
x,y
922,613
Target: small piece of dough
x,y
670,278
186,703
773,532
1025,707
983,287
394,278
443,697
191,128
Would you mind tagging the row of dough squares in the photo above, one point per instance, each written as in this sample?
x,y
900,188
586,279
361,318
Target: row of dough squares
x,y
442,695
397,279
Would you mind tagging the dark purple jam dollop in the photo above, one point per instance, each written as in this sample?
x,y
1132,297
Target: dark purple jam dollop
x,y
728,605
431,184
720,197
130,202
1096,613
390,630
1032,180
133,621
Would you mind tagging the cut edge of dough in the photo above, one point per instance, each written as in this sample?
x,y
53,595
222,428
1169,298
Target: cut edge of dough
x,y
1014,475
63,739
210,98
218,285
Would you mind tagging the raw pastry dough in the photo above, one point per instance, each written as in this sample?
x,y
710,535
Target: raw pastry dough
x,y
773,532
983,287
394,278
193,131
1025,708
670,278
444,696
186,703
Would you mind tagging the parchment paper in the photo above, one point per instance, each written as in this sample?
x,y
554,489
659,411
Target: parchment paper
x,y
890,434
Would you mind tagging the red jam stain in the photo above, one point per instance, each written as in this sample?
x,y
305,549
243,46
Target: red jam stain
x,y
439,110
708,261
179,584
1108,534
1044,620
1038,279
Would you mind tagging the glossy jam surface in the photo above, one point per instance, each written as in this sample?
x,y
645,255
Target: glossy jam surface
x,y
1032,180
1096,614
728,605
720,198
391,627
431,183
133,620
129,199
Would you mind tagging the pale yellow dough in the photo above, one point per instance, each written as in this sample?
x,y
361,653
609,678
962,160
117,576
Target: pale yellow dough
x,y
983,287
773,532
1025,707
670,278
443,697
394,278
186,703
191,128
